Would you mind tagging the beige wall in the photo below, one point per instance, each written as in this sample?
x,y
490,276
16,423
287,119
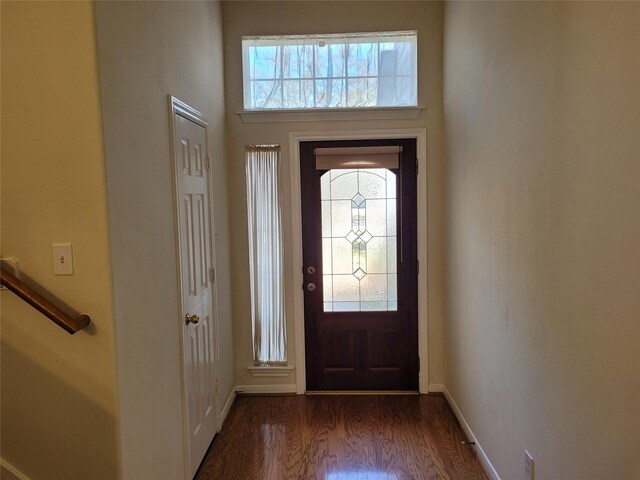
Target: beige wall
x,y
59,413
542,121
328,17
146,51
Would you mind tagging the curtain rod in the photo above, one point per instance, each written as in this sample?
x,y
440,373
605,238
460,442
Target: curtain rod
x,y
265,148
325,36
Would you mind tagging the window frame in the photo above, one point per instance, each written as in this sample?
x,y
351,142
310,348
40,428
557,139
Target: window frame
x,y
412,110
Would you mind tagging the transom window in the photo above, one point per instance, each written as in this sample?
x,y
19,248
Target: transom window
x,y
352,70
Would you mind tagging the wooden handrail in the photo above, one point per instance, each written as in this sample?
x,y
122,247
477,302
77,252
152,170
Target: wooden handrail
x,y
71,323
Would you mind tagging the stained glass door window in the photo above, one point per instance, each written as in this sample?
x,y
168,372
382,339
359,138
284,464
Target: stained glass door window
x,y
359,240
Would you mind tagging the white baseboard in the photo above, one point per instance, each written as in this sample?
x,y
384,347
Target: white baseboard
x,y
276,388
436,388
12,470
227,407
484,459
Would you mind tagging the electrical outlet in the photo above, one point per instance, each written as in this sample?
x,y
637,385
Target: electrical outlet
x,y
529,467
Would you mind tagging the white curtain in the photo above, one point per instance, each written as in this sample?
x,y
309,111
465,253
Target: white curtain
x,y
265,255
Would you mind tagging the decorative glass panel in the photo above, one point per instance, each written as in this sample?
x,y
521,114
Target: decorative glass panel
x,y
359,244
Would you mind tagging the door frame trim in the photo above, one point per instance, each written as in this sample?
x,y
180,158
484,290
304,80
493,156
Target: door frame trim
x,y
420,134
178,107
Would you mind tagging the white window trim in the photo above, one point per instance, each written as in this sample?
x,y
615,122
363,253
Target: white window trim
x,y
270,370
420,134
330,114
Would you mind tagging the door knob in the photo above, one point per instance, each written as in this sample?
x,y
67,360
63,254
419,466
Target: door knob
x,y
311,270
191,319
311,287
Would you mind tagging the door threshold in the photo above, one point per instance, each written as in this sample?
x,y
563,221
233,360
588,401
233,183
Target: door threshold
x,y
362,392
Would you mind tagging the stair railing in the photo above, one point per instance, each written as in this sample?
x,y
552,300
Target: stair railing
x,y
70,322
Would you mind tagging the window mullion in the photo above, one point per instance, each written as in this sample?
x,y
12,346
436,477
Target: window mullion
x,y
313,74
282,47
346,75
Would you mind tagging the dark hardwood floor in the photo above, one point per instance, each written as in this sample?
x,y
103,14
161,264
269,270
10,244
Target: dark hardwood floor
x,y
343,437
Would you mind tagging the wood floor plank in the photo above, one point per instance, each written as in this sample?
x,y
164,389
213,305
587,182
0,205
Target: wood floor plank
x,y
386,437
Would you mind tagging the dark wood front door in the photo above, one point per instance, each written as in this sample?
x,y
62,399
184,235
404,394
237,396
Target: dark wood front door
x,y
360,269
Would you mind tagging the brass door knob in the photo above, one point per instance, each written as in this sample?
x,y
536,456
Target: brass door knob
x,y
191,319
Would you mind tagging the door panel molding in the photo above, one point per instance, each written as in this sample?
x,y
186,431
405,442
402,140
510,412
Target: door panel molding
x,y
420,134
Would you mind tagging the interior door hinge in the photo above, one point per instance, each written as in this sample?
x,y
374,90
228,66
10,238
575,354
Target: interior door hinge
x,y
217,384
417,166
208,162
212,274
418,266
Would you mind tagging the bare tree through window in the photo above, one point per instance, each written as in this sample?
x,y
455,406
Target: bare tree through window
x,y
330,71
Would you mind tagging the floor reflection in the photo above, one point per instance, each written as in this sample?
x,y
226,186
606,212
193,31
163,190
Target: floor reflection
x,y
341,438
361,475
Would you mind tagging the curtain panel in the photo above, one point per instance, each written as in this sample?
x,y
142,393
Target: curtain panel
x,y
264,214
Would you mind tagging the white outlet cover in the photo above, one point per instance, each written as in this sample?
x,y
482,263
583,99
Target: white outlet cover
x,y
62,259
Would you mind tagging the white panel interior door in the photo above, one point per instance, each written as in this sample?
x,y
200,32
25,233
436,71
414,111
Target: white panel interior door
x,y
197,287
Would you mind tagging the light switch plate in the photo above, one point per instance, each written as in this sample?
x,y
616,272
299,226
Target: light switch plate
x,y
62,259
